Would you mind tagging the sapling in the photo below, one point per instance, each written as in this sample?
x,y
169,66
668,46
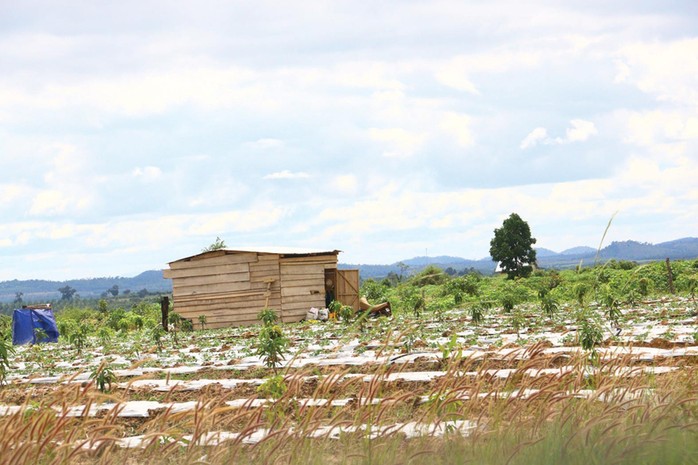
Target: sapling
x,y
268,316
202,321
590,334
103,376
477,313
175,320
156,335
549,305
272,345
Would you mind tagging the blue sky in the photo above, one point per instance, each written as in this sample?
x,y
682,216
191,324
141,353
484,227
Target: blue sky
x,y
134,133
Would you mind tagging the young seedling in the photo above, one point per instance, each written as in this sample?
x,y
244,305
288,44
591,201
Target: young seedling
x,y
103,376
202,321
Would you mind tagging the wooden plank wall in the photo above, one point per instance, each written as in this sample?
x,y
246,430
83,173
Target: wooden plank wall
x,y
230,289
303,284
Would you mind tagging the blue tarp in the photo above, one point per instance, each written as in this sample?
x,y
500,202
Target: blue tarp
x,y
26,320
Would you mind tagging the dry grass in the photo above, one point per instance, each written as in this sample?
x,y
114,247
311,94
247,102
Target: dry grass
x,y
604,416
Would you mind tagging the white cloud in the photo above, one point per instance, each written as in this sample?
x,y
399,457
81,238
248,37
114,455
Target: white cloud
x,y
286,174
458,126
580,131
399,142
148,173
539,134
266,143
667,70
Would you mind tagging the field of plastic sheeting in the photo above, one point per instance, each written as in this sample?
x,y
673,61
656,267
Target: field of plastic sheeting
x,y
372,391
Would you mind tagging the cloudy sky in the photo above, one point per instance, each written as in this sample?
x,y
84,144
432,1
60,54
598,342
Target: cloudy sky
x,y
133,133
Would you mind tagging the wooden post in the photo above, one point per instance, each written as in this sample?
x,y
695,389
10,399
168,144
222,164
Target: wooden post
x,y
165,310
670,277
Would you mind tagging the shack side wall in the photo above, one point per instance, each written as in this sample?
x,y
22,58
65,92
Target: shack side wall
x,y
230,289
303,284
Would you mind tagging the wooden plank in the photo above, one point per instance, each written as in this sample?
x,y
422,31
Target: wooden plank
x,y
302,291
302,269
218,295
197,307
232,306
271,266
228,259
310,259
208,270
304,299
303,281
248,314
210,288
241,277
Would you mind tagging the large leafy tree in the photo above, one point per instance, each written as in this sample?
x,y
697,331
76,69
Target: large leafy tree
x,y
512,247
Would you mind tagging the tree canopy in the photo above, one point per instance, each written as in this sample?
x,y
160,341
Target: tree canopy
x,y
512,247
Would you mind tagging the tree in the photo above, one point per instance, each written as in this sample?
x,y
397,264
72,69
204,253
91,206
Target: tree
x,y
218,244
67,292
114,290
512,247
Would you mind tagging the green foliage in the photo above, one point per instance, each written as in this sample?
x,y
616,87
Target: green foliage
x,y
581,290
6,351
274,387
334,307
103,376
549,305
79,338
272,345
512,247
175,321
268,316
346,313
202,321
40,335
218,244
448,350
157,334
517,320
463,285
477,313
374,291
610,303
105,335
67,292
590,332
431,274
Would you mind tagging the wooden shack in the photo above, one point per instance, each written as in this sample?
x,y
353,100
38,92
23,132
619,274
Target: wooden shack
x,y
230,287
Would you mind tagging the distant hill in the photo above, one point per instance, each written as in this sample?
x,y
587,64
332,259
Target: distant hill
x,y
582,250
541,252
36,290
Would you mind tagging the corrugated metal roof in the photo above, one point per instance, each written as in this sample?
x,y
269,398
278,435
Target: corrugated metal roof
x,y
268,250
